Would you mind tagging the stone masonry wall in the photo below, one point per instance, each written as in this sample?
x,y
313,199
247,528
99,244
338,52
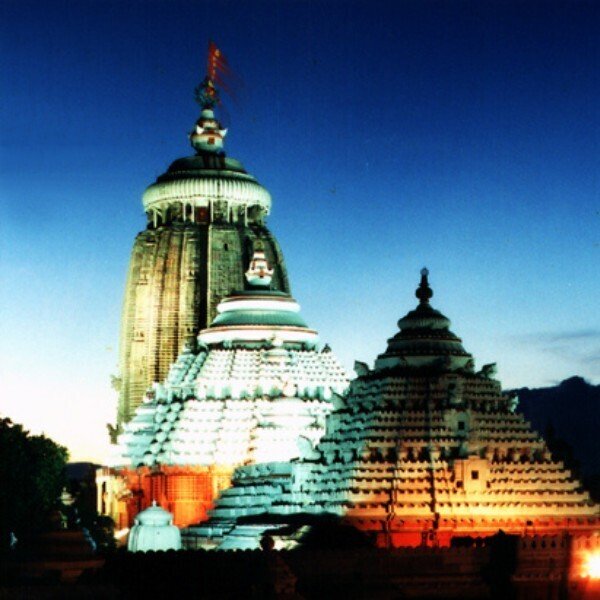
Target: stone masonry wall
x,y
177,276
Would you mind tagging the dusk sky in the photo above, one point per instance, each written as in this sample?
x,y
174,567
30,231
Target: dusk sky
x,y
461,136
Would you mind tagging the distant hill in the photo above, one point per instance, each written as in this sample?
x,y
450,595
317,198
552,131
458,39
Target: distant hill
x,y
568,416
78,471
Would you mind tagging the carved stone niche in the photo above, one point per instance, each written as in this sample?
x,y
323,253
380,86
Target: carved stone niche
x,y
219,211
435,453
455,394
256,214
458,421
401,452
471,474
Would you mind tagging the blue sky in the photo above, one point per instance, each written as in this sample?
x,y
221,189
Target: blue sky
x,y
464,136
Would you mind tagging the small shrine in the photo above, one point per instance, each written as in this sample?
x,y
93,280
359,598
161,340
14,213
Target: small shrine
x,y
154,530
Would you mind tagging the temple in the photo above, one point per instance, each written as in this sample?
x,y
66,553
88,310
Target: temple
x,y
421,450
204,217
255,387
238,426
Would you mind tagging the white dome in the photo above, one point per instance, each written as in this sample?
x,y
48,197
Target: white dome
x,y
154,530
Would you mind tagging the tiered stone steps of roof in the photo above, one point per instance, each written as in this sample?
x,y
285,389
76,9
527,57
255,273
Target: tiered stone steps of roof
x,y
422,446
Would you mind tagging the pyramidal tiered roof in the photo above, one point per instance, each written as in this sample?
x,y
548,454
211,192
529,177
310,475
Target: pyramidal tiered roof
x,y
254,384
420,449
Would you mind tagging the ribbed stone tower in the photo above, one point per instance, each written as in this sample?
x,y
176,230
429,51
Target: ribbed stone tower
x,y
205,216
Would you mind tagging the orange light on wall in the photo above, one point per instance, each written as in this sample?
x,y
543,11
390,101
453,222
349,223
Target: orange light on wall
x,y
591,565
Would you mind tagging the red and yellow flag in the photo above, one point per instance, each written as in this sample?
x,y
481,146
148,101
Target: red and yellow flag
x,y
217,68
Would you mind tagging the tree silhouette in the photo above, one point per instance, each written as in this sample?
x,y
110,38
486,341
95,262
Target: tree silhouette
x,y
31,481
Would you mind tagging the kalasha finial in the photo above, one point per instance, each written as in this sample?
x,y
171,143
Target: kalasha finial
x,y
206,94
217,69
424,292
208,134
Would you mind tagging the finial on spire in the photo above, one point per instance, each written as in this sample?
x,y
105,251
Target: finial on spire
x,y
206,94
208,134
217,69
259,274
424,292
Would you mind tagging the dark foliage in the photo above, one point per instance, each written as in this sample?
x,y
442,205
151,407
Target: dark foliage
x,y
82,487
325,531
31,481
196,574
331,533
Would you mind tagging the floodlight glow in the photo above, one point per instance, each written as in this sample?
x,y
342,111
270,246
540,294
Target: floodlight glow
x,y
121,533
591,566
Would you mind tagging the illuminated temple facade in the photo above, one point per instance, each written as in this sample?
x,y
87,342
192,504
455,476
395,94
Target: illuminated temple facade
x,y
204,217
235,419
421,449
255,387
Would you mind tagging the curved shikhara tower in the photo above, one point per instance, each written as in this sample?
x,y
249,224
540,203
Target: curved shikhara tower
x,y
205,216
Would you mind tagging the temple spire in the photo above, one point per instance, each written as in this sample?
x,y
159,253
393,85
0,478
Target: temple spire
x,y
424,292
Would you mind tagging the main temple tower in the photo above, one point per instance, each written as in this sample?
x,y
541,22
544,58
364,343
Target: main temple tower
x,y
205,216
